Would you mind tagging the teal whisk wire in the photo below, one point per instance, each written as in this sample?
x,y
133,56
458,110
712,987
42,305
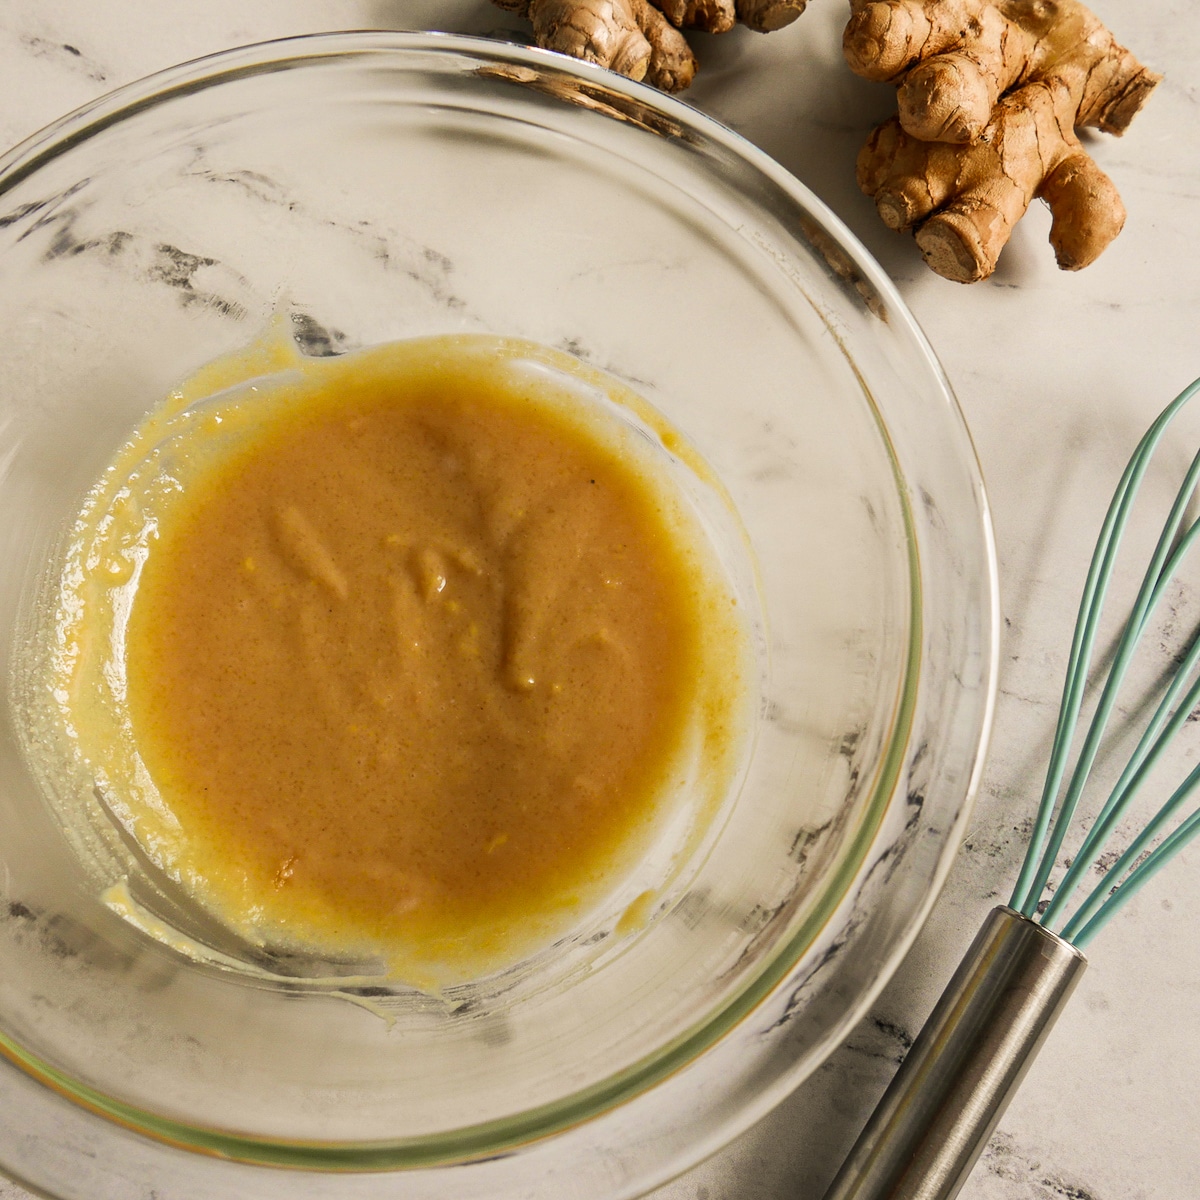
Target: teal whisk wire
x,y
1168,719
1106,899
1152,587
1103,561
1139,862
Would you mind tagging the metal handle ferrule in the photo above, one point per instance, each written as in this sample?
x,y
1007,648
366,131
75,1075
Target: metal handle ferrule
x,y
936,1117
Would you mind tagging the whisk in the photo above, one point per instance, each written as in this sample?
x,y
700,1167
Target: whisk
x,y
936,1117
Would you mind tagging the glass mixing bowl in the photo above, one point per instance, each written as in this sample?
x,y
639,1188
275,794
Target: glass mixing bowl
x,y
372,187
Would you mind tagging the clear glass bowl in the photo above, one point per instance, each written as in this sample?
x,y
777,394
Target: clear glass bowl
x,y
381,186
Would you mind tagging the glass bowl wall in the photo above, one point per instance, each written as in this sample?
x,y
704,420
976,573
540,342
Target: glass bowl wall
x,y
371,187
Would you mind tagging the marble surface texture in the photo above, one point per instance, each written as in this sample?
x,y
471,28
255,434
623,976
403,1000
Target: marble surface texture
x,y
1057,374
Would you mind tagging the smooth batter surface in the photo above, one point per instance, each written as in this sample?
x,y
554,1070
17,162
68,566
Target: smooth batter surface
x,y
415,656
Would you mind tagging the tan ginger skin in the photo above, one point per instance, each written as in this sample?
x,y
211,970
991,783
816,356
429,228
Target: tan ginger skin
x,y
990,95
641,39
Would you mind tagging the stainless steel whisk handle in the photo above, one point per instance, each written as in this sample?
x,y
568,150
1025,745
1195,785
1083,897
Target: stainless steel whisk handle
x,y
955,1083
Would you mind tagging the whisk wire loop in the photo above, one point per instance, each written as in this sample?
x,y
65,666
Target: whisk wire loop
x,y
1170,716
1127,647
1028,889
1072,701
1109,899
1054,817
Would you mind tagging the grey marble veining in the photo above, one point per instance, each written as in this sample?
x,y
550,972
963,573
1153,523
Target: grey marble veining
x,y
1058,375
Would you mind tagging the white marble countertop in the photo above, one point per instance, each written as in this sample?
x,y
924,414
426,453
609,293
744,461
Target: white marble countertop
x,y
1058,375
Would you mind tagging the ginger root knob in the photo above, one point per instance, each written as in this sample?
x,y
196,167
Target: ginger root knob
x,y
642,38
990,93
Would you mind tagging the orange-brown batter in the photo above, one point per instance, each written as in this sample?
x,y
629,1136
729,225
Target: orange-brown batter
x,y
415,661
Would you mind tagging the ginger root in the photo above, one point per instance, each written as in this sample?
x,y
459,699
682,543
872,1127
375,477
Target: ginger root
x,y
642,38
990,95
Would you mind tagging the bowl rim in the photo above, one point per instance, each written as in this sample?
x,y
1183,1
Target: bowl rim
x,y
505,1133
